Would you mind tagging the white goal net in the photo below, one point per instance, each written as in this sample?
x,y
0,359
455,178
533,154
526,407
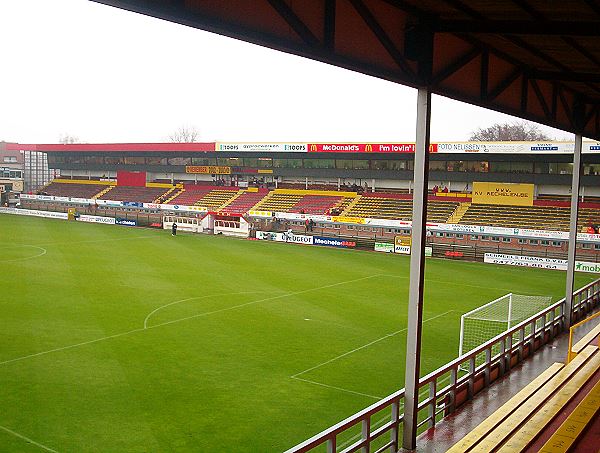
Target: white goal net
x,y
498,316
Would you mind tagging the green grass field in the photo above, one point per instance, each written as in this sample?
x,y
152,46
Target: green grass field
x,y
117,339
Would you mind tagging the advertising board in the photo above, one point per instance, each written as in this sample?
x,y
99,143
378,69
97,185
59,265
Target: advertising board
x,y
125,222
365,148
208,169
333,242
284,237
539,262
262,147
34,213
403,249
502,193
384,247
96,219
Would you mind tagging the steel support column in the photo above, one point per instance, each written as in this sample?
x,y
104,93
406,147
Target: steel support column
x,y
417,269
573,229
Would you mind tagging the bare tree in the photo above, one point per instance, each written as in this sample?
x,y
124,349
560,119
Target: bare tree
x,y
517,131
185,134
67,139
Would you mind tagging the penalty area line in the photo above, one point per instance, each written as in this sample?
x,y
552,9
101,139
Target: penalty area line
x,y
366,345
297,375
27,439
341,389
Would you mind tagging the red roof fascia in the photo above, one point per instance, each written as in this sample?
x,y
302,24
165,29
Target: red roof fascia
x,y
115,147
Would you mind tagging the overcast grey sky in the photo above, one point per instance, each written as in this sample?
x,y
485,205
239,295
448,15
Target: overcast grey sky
x,y
106,75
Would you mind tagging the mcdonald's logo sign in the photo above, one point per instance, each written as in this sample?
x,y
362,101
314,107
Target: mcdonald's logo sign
x,y
365,148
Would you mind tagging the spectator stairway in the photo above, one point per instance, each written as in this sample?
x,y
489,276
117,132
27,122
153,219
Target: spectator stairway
x,y
216,198
189,194
244,202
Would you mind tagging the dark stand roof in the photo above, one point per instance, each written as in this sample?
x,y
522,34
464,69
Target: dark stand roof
x,y
536,59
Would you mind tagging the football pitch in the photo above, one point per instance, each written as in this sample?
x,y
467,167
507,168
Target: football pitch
x,y
117,339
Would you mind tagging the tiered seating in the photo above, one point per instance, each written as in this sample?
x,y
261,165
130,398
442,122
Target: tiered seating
x,y
245,202
315,204
343,205
191,194
527,418
60,189
536,217
399,209
588,215
279,202
139,194
216,198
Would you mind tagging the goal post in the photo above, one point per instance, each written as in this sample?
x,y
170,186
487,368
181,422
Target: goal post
x,y
486,322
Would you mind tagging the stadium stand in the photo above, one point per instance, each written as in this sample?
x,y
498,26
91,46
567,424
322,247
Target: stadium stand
x,y
535,217
190,194
315,204
386,207
78,190
550,414
279,202
244,202
546,214
135,194
216,198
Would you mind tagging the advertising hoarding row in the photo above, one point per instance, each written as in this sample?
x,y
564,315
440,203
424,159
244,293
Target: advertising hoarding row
x,y
403,148
304,239
539,262
35,213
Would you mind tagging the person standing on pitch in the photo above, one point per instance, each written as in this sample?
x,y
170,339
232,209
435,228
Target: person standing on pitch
x,y
174,229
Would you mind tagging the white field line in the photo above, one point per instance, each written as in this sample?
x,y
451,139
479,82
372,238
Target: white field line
x,y
64,348
337,388
281,296
27,439
366,345
91,241
37,354
100,240
44,251
196,298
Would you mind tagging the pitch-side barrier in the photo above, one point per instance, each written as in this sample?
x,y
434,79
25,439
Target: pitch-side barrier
x,y
446,388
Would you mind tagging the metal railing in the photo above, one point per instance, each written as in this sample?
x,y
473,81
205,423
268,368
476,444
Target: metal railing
x,y
437,398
